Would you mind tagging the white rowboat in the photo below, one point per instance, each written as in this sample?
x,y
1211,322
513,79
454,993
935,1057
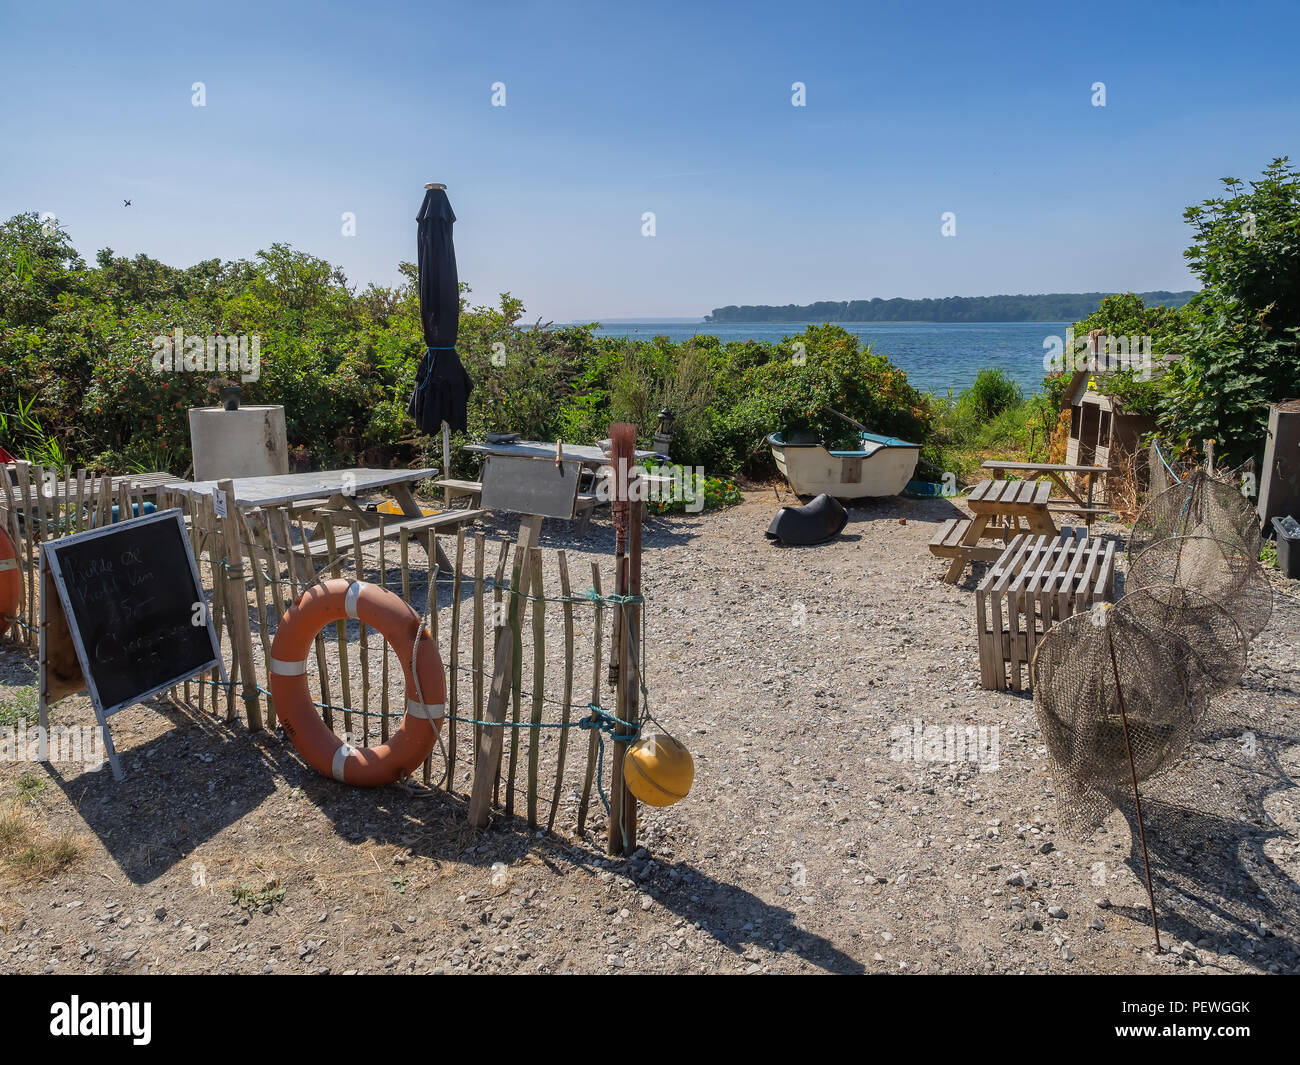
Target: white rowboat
x,y
881,467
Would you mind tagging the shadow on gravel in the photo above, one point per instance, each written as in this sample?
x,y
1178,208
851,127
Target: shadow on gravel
x,y
181,790
434,825
1212,877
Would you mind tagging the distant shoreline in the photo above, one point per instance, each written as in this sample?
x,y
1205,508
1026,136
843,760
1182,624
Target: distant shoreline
x,y
949,310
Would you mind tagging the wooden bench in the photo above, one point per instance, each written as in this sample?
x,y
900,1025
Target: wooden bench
x,y
948,542
455,488
344,541
1034,583
1071,501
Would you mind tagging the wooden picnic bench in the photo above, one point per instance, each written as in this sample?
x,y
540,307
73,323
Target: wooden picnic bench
x,y
306,553
331,495
1072,501
997,505
1034,583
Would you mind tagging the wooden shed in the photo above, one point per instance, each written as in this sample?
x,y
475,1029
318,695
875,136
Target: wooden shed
x,y
1101,431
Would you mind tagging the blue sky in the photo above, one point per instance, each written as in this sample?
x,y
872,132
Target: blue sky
x,y
684,110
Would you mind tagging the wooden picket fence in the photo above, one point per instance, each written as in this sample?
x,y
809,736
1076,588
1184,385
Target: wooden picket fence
x,y
560,626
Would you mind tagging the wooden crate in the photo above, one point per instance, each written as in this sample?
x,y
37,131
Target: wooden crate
x,y
1036,582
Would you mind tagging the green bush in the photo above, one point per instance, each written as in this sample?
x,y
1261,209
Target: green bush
x,y
343,364
991,393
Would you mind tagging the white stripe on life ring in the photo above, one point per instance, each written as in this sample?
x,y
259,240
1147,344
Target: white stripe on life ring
x,y
287,669
344,752
428,711
8,563
350,600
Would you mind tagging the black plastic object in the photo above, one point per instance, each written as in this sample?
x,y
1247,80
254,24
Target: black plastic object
x,y
1288,547
812,523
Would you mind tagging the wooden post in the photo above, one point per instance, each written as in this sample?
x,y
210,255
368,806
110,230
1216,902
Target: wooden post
x,y
593,741
476,649
383,668
237,604
566,593
528,530
29,537
453,658
286,533
261,527
431,606
498,626
539,680
359,561
489,756
340,631
263,630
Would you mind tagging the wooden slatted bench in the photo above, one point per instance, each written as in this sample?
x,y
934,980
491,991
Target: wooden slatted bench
x,y
1036,582
343,541
948,542
455,488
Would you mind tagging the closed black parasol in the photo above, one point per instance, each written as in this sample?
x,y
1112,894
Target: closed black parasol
x,y
442,386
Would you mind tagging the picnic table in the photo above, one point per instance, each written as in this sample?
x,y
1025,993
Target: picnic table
x,y
1036,582
331,496
1073,501
1001,505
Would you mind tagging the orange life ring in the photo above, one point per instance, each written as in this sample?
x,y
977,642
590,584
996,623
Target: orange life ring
x,y
412,743
11,581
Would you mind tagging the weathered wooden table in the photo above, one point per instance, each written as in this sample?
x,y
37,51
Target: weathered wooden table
x,y
1072,501
1001,505
1036,582
331,495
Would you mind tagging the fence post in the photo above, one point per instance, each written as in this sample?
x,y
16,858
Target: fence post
x,y
237,605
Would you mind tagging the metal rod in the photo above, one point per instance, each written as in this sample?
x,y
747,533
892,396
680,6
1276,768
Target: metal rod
x,y
1137,801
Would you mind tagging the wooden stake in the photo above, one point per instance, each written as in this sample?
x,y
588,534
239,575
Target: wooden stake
x,y
539,680
453,659
238,606
480,543
341,632
321,662
359,561
566,593
593,740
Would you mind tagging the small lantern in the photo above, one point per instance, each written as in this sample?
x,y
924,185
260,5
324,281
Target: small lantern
x,y
664,434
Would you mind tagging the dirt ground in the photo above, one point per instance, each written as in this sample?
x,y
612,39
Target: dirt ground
x,y
808,844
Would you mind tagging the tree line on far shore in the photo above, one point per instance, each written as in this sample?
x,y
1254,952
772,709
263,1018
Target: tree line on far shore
x,y
1049,307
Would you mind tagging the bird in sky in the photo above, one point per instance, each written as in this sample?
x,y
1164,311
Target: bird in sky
x,y
126,203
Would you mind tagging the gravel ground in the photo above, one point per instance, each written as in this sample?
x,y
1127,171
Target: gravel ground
x,y
805,845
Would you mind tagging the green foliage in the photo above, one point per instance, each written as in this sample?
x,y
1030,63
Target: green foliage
x,y
990,394
717,492
18,704
1241,339
1126,315
990,419
84,390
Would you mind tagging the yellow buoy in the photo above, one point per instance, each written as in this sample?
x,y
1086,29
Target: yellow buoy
x,y
658,770
388,506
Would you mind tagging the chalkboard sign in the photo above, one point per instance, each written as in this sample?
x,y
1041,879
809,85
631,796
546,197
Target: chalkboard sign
x,y
530,486
135,607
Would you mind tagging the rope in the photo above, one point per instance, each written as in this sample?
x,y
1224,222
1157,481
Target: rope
x,y
1156,445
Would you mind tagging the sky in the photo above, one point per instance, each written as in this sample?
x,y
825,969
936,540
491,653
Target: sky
x,y
683,110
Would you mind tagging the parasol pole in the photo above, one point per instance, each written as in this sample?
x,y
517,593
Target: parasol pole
x,y
446,432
